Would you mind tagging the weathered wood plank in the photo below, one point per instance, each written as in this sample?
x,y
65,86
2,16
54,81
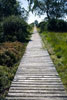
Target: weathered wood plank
x,y
36,77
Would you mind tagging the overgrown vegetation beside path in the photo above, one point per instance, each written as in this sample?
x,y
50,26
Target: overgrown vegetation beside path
x,y
10,56
14,36
56,44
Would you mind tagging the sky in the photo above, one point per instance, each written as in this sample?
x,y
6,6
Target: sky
x,y
31,17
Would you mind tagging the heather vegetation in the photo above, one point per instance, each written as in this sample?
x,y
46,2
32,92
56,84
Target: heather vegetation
x,y
10,56
10,53
14,36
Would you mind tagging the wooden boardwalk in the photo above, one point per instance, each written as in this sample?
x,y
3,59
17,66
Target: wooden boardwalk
x,y
36,77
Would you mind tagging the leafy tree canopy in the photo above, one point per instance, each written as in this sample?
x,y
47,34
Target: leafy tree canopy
x,y
11,7
53,8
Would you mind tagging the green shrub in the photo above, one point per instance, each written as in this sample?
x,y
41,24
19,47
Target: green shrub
x,y
42,26
3,80
32,25
51,26
10,53
15,28
62,26
57,25
7,58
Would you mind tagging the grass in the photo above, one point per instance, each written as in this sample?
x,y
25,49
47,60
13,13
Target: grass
x,y
10,53
56,44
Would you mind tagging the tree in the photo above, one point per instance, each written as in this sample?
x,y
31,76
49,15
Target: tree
x,y
65,6
24,14
36,22
57,9
53,8
9,7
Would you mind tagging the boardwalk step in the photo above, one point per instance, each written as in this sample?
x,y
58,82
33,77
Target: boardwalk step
x,y
36,98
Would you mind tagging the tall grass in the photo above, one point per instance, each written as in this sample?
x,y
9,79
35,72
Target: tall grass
x,y
56,44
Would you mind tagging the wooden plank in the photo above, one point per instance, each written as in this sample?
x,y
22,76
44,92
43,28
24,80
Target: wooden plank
x,y
36,77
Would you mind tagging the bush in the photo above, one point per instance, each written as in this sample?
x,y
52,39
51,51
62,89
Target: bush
x,y
3,80
15,28
51,26
7,58
62,26
57,25
32,25
10,56
42,26
10,53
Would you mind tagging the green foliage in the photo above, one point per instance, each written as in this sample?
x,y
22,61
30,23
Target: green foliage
x,y
6,76
15,28
31,25
3,79
10,53
12,7
12,28
36,22
42,25
53,25
56,44
9,7
7,58
53,8
57,25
